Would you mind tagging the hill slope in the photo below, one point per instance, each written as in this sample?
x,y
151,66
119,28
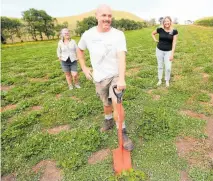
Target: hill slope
x,y
116,14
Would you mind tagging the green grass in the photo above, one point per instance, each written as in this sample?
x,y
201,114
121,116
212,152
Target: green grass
x,y
154,125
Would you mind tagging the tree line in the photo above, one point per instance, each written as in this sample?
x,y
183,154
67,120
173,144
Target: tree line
x,y
37,23
34,23
122,24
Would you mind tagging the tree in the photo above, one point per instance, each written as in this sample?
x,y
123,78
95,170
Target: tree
x,y
85,24
31,17
152,22
175,21
160,20
11,27
47,23
59,27
18,26
38,22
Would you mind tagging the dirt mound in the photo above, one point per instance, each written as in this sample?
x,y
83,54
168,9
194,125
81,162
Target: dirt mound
x,y
10,177
36,108
99,156
58,129
154,96
8,107
49,171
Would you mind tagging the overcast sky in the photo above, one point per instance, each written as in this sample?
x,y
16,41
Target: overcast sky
x,y
146,9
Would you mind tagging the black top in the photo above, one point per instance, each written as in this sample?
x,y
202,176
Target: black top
x,y
165,39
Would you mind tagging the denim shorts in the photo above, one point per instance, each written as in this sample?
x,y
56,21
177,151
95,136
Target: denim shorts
x,y
68,66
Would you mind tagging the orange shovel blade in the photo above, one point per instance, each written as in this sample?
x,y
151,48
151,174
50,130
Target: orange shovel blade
x,y
122,160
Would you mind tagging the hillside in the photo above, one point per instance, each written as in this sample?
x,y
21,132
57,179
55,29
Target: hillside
x,y
116,14
206,21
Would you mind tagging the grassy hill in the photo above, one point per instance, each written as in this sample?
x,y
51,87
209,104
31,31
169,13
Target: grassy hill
x,y
206,21
116,14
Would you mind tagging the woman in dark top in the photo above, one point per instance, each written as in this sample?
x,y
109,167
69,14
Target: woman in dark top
x,y
165,48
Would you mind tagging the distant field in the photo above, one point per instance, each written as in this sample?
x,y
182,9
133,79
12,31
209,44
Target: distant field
x,y
46,128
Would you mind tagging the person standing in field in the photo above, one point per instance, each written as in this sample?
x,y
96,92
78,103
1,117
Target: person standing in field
x,y
107,49
67,55
165,48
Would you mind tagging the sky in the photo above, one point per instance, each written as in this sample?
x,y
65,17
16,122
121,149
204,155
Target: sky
x,y
146,9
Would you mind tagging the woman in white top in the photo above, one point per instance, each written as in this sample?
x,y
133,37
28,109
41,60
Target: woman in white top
x,y
66,52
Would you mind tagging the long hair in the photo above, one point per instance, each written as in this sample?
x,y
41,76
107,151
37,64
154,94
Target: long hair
x,y
169,18
62,33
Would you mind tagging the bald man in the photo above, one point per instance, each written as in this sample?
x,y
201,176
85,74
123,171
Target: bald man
x,y
107,49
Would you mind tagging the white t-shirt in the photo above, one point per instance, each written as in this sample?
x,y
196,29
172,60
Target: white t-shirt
x,y
64,51
103,48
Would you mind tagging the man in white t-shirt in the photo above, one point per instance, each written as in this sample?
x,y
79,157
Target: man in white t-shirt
x,y
107,49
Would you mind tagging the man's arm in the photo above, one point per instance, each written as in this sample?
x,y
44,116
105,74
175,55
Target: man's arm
x,y
122,69
81,58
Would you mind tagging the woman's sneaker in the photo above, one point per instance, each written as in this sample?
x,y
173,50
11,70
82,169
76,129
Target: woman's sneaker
x,y
167,83
70,87
77,86
159,83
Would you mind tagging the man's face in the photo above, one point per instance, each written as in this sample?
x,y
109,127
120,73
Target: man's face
x,y
104,17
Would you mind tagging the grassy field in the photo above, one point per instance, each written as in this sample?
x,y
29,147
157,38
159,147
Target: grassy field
x,y
163,123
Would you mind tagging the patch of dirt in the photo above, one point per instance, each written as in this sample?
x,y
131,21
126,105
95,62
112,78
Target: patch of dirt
x,y
211,155
49,171
149,91
6,88
44,79
195,115
36,108
185,145
197,69
58,129
163,89
76,98
22,74
177,77
209,127
133,71
10,177
184,176
190,100
205,76
99,156
197,151
211,101
58,96
209,130
8,107
154,96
